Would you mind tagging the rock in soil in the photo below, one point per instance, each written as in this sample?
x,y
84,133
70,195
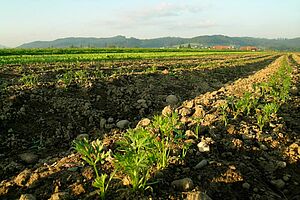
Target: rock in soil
x,y
190,134
172,100
203,146
167,111
60,196
82,136
279,184
144,122
27,197
29,158
183,185
197,196
246,185
188,104
199,112
123,124
102,123
21,179
184,112
201,164
294,90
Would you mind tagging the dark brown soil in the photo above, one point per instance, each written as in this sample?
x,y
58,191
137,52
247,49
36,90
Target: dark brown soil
x,y
43,120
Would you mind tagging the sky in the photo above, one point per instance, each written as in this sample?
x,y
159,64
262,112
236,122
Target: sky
x,y
23,21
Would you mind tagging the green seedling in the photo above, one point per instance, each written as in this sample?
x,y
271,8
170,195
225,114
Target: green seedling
x,y
99,74
136,157
152,69
197,127
224,113
260,120
67,78
29,80
81,76
93,153
186,146
240,107
265,114
102,182
167,130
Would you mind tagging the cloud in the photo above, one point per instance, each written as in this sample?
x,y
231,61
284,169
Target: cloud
x,y
162,10
163,17
194,24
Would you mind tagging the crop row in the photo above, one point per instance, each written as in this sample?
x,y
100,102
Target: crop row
x,y
66,76
23,59
145,150
263,102
53,51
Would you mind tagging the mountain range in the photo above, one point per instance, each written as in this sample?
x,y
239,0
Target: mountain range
x,y
200,41
2,46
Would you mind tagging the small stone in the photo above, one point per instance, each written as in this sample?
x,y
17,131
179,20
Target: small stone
x,y
78,189
21,179
27,197
142,103
279,184
165,72
110,120
167,111
232,167
91,120
102,123
184,184
281,164
203,146
199,112
60,196
294,90
82,136
285,191
184,112
109,126
190,134
186,170
226,154
263,147
184,120
201,164
144,122
246,185
197,196
286,178
72,169
172,100
123,124
22,109
29,158
255,190
230,129
188,104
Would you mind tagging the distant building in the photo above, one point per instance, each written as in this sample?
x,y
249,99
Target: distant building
x,y
248,48
220,47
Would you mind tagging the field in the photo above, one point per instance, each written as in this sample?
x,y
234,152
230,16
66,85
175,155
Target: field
x,y
171,124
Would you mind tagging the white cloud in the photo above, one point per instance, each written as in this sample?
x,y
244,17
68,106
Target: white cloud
x,y
163,16
162,10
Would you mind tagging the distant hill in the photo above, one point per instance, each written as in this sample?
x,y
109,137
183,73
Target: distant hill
x,y
2,46
121,41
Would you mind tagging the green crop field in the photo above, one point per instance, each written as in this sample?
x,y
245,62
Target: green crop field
x,y
22,56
